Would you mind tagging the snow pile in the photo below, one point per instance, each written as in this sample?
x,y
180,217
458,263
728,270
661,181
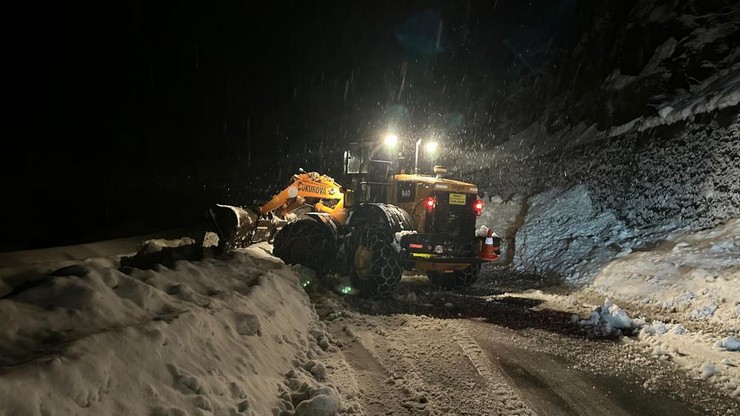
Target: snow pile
x,y
157,245
694,274
610,319
564,233
660,328
203,337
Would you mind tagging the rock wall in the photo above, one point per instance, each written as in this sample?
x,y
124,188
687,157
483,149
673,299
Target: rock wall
x,y
687,174
602,199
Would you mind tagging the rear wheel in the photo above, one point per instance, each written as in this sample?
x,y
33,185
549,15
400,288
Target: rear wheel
x,y
456,279
375,270
305,242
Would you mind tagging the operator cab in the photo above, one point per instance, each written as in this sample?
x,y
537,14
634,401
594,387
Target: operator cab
x,y
367,176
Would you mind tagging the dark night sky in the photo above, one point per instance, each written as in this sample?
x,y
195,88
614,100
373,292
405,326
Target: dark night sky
x,y
142,113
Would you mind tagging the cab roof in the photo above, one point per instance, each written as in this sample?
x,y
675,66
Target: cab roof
x,y
433,181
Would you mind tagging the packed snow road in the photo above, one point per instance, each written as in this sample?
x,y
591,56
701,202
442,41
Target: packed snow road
x,y
482,352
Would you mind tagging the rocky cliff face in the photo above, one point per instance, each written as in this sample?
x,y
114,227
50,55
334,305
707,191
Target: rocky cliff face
x,y
631,64
636,136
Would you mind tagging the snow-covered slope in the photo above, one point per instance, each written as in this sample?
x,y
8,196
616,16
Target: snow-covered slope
x,y
643,110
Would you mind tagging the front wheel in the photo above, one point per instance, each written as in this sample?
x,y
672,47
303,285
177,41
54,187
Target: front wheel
x,y
375,270
305,242
456,279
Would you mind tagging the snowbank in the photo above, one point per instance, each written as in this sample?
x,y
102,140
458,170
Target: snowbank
x,y
210,336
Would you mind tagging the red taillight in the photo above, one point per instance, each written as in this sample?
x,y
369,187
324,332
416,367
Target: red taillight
x,y
478,207
431,203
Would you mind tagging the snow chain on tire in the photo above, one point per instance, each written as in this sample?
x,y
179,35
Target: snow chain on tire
x,y
456,279
375,270
305,242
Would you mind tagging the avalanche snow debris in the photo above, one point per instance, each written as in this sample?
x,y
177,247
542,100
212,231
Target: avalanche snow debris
x,y
610,319
729,343
678,329
678,303
696,281
657,327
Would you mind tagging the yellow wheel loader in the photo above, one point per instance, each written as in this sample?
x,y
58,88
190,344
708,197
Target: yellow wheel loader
x,y
382,224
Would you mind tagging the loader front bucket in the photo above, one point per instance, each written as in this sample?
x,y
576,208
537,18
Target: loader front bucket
x,y
234,225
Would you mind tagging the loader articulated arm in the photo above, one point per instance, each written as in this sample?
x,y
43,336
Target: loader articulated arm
x,y
309,188
239,226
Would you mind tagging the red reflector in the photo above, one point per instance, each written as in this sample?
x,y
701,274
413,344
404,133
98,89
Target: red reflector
x,y
412,245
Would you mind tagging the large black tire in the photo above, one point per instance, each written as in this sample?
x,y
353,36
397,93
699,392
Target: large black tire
x,y
305,242
374,266
456,279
